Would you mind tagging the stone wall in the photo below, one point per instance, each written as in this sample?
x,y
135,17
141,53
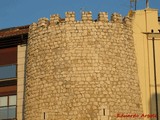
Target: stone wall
x,y
81,70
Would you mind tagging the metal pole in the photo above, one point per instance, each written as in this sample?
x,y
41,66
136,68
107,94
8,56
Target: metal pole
x,y
155,78
135,4
130,5
147,3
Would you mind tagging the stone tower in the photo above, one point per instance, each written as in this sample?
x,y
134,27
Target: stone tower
x,y
81,70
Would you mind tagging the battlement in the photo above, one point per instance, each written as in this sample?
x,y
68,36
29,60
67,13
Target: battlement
x,y
70,17
116,17
87,16
103,16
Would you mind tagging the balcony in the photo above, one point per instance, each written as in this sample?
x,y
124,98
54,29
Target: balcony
x,y
7,113
8,107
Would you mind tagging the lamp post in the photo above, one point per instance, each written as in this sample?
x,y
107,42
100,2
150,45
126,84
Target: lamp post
x,y
155,76
135,4
152,36
147,3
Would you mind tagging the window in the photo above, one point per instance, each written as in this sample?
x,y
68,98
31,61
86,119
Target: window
x,y
8,71
8,107
8,61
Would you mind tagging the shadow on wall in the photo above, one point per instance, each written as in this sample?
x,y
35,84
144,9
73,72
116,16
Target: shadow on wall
x,y
153,106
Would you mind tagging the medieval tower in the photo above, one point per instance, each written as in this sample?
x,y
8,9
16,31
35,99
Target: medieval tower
x,y
81,70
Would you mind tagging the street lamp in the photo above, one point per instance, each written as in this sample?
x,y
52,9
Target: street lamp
x,y
154,36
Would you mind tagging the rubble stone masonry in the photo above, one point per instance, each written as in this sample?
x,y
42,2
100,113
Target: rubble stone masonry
x,y
81,70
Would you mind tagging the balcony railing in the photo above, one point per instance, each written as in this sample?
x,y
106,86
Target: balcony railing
x,y
7,113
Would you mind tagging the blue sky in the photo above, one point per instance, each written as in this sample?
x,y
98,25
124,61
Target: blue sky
x,y
22,12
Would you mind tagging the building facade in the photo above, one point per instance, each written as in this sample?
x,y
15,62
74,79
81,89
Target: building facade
x,y
12,67
146,32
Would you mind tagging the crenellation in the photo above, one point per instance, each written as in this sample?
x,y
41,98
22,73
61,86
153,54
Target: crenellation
x,y
70,16
33,27
119,18
127,20
43,22
103,17
54,19
86,16
116,18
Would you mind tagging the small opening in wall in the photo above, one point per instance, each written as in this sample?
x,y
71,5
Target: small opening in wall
x,y
44,115
152,30
104,112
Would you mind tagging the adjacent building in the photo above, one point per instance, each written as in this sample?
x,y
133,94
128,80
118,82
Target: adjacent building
x,y
146,33
12,72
